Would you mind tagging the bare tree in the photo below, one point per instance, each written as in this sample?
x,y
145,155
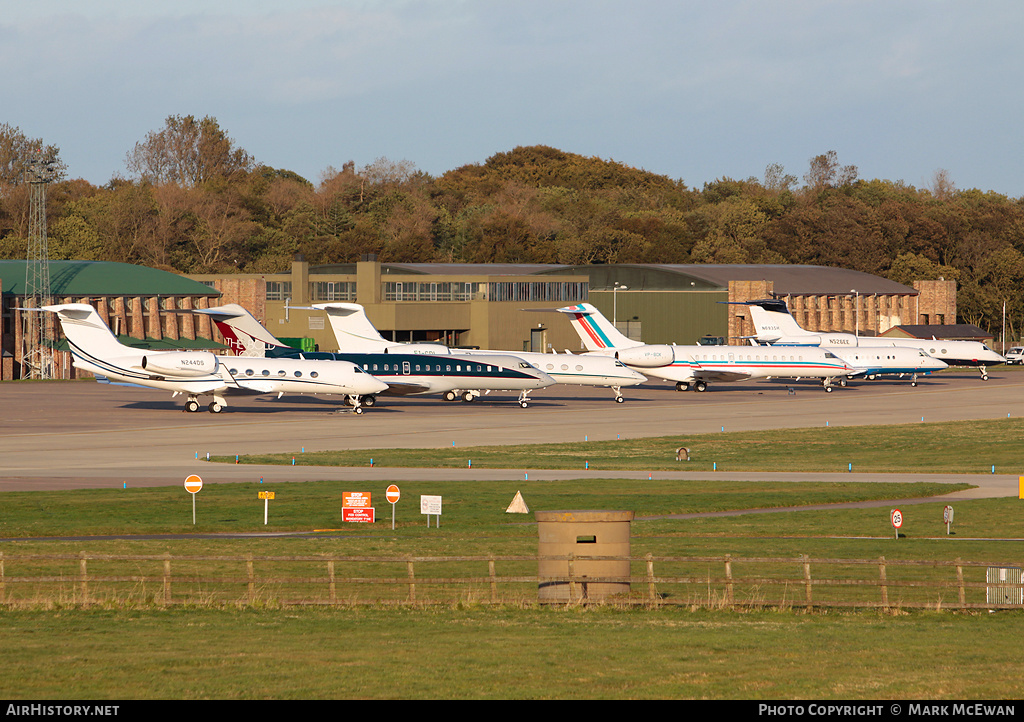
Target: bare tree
x,y
17,150
825,172
187,152
943,187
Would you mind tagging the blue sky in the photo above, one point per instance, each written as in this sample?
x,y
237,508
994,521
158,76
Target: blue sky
x,y
692,90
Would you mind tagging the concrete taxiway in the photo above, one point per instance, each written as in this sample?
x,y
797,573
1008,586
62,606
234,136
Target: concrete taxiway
x,y
67,435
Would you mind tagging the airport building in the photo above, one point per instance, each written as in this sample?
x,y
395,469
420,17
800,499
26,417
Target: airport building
x,y
491,306
482,305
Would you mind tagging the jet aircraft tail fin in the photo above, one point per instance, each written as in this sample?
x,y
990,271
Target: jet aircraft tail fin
x,y
352,329
86,332
596,331
244,335
772,321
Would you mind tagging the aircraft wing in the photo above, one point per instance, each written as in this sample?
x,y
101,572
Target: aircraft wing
x,y
406,389
715,375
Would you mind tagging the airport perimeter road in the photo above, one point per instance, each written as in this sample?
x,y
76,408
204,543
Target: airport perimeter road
x,y
86,435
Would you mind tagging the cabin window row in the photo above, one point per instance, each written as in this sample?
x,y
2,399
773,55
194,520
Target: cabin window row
x,y
427,368
281,374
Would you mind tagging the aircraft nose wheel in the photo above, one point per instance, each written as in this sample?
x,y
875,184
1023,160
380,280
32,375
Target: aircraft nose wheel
x,y
619,400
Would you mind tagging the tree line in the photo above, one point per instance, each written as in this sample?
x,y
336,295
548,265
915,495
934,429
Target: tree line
x,y
192,201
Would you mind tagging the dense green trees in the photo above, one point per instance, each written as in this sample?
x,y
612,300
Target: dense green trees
x,y
195,202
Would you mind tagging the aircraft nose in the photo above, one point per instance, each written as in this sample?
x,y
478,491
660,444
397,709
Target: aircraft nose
x,y
543,379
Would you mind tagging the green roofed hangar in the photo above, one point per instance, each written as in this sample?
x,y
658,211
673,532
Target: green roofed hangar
x,y
135,301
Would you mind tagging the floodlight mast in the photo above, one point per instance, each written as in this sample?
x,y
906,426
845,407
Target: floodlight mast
x,y
39,332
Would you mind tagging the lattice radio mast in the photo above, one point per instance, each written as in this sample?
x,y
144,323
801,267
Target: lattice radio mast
x,y
39,333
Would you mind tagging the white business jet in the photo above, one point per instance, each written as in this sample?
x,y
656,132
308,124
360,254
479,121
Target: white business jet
x,y
697,365
201,373
354,332
405,374
773,324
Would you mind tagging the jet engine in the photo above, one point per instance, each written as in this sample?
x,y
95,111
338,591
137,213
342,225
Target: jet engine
x,y
646,356
180,363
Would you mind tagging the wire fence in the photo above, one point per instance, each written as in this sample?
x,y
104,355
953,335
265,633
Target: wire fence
x,y
801,582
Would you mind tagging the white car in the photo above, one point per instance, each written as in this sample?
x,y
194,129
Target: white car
x,y
1015,355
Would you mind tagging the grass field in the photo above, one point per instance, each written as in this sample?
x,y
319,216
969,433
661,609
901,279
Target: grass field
x,y
129,648
954,447
507,653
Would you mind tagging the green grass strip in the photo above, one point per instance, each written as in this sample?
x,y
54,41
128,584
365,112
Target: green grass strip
x,y
961,447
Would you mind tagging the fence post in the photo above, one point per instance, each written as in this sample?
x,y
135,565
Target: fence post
x,y
651,592
885,587
572,578
83,578
807,583
330,582
167,578
728,581
412,580
960,582
251,573
494,580
3,583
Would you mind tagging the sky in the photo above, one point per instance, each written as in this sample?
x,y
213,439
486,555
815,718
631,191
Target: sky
x,y
696,91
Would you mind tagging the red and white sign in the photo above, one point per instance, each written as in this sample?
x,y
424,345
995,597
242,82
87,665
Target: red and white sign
x,y
897,518
430,505
355,500
365,516
393,494
193,484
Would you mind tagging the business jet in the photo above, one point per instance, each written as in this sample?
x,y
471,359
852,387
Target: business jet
x,y
773,324
200,373
697,365
354,332
405,374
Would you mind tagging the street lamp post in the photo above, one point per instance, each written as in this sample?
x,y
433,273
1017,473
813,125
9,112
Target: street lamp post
x,y
856,311
615,302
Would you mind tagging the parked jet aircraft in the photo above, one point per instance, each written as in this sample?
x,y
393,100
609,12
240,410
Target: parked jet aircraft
x,y
697,365
200,373
405,374
773,324
354,332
